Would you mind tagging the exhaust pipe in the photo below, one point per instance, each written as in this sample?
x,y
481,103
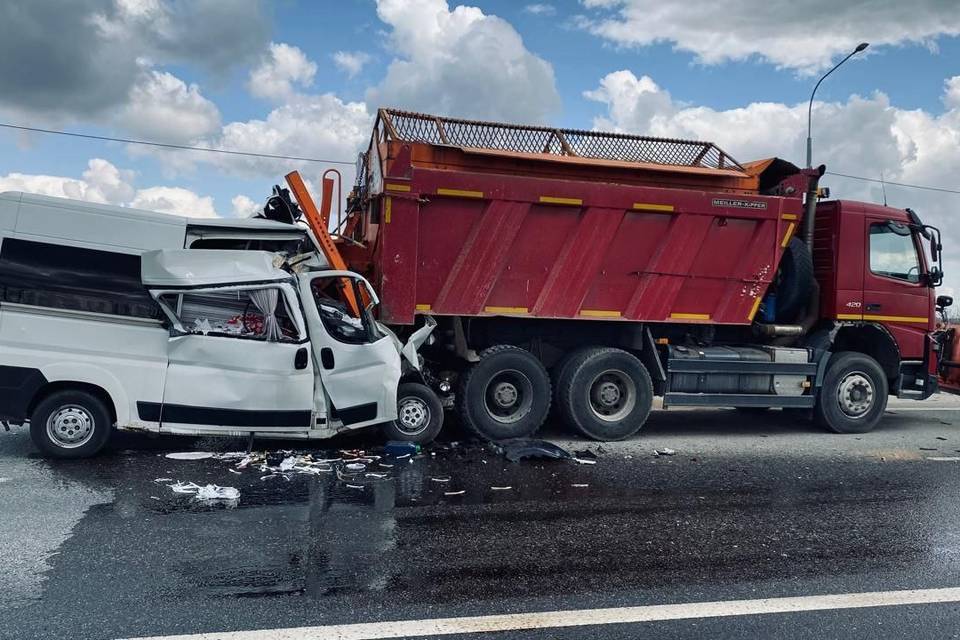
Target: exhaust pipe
x,y
809,215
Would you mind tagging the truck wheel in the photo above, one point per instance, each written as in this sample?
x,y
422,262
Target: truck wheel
x,y
504,395
419,415
796,279
70,424
854,394
605,393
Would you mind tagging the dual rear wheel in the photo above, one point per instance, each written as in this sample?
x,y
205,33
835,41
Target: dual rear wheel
x,y
602,393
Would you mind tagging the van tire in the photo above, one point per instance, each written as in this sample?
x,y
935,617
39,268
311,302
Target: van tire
x,y
419,415
70,424
585,379
853,396
796,280
506,394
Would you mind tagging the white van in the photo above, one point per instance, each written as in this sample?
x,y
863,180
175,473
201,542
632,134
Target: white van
x,y
196,341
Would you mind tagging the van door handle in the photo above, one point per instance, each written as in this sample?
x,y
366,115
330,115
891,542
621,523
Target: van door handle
x,y
873,306
301,360
326,357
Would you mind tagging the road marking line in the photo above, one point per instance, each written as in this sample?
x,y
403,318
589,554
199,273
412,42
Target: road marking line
x,y
896,409
588,617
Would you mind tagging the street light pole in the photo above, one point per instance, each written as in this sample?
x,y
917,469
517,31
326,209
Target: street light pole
x,y
860,47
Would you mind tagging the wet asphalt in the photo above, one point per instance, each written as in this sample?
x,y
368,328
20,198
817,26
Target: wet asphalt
x,y
748,507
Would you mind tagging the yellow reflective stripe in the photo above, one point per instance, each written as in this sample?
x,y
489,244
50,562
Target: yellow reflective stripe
x,y
690,316
849,316
786,236
789,216
506,309
599,313
644,206
555,200
423,307
753,309
387,210
460,193
917,319
398,187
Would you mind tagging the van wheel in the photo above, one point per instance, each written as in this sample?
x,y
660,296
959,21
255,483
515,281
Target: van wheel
x,y
419,415
854,394
70,424
605,393
504,395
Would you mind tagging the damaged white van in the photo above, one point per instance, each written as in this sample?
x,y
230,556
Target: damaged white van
x,y
225,342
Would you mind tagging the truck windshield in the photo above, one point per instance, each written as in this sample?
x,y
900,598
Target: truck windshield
x,y
893,255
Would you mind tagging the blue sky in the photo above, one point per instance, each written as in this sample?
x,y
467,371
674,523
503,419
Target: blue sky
x,y
262,76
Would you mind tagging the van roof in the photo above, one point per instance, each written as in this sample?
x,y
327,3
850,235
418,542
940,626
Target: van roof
x,y
155,216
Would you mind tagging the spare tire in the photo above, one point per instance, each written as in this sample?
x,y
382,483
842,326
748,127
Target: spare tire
x,y
794,281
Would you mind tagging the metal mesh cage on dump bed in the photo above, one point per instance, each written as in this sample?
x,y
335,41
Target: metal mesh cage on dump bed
x,y
407,126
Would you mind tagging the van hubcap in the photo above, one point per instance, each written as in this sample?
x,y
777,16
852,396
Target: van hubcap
x,y
70,426
855,394
414,416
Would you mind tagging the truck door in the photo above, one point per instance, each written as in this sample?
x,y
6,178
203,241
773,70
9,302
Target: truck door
x,y
895,292
239,360
359,364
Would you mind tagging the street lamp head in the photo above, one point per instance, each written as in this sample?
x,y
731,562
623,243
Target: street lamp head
x,y
861,47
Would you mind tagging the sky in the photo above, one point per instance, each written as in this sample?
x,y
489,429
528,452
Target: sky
x,y
305,78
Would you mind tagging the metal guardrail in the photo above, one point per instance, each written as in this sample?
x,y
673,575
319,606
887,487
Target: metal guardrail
x,y
408,126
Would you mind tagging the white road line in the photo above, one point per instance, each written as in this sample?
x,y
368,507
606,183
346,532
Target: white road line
x,y
587,617
899,409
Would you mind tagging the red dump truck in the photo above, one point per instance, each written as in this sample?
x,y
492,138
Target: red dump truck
x,y
592,271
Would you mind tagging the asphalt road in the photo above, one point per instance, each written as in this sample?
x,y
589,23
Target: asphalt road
x,y
748,508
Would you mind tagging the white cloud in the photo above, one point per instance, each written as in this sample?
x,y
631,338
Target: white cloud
x,y
795,35
540,9
461,62
862,136
951,97
351,62
104,183
163,107
281,69
175,200
244,207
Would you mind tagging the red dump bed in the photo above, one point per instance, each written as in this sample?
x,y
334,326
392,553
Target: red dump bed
x,y
480,219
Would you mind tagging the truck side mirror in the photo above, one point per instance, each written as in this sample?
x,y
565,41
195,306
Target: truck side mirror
x,y
944,301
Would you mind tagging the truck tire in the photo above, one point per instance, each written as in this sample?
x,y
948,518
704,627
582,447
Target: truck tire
x,y
504,395
795,281
419,415
605,393
70,424
854,394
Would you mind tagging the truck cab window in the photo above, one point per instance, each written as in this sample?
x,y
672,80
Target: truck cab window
x,y
335,298
893,255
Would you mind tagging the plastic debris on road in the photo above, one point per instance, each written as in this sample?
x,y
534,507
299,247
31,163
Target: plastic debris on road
x,y
190,455
519,448
666,451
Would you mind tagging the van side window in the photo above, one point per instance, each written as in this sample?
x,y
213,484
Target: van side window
x,y
81,279
258,314
341,318
893,255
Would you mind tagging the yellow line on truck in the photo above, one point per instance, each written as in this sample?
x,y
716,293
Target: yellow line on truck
x,y
599,313
387,210
753,309
556,200
460,193
786,236
423,307
876,318
398,187
789,216
690,316
506,310
645,206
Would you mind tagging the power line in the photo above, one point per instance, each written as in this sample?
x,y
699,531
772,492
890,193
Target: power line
x,y
164,145
896,184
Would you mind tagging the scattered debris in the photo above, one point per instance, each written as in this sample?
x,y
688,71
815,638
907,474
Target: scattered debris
x,y
666,451
941,437
928,449
214,492
355,486
455,493
190,455
584,461
506,488
288,463
398,448
441,479
356,466
580,485
519,448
